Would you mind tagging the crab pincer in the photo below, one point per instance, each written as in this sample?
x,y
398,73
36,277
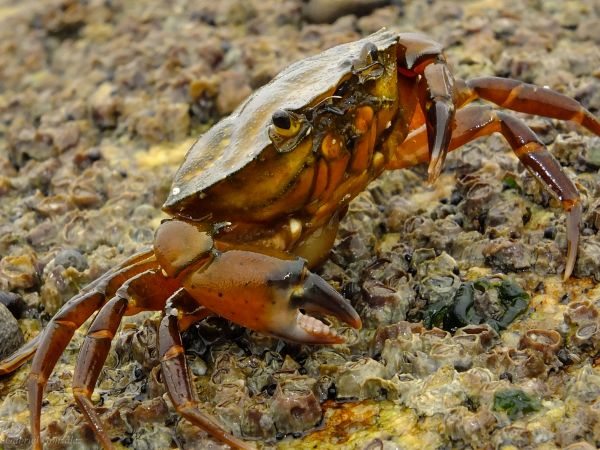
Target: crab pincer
x,y
275,296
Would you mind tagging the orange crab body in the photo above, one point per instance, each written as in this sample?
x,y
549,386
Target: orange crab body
x,y
258,199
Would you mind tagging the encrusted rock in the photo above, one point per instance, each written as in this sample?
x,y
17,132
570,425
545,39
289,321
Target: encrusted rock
x,y
11,337
18,272
295,406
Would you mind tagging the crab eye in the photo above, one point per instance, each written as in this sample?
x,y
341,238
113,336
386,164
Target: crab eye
x,y
285,124
287,129
367,66
369,53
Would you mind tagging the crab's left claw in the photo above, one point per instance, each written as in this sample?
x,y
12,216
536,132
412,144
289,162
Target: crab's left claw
x,y
269,294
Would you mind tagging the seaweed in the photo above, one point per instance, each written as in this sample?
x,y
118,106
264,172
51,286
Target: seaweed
x,y
509,301
515,403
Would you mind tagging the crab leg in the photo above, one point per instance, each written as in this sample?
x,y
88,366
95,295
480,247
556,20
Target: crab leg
x,y
436,90
420,56
528,98
176,375
61,328
476,121
148,291
22,355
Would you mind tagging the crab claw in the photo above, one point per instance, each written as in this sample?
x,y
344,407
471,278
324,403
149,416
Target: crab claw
x,y
270,294
317,296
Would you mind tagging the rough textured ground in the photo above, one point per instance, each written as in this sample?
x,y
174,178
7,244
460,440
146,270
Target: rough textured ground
x,y
99,100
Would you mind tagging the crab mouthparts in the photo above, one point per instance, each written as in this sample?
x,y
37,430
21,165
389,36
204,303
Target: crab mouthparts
x,y
315,327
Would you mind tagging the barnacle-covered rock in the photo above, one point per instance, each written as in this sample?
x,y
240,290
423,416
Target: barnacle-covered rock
x,y
295,405
479,197
515,364
257,421
569,149
512,436
476,339
581,312
105,105
508,255
585,386
230,399
439,392
357,234
547,342
470,427
588,259
18,272
143,347
383,305
581,445
355,380
82,161
585,325
587,334
62,278
438,282
13,302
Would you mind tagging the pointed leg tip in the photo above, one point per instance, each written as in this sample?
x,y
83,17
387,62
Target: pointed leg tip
x,y
573,222
566,276
434,170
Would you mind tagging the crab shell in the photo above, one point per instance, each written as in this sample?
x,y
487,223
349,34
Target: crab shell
x,y
236,157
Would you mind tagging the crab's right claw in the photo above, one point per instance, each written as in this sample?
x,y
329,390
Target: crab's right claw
x,y
315,295
274,294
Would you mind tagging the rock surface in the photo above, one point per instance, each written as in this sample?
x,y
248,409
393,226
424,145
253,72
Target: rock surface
x,y
100,101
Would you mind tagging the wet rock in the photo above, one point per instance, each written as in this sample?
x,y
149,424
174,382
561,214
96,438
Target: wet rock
x,y
587,335
61,282
479,198
65,136
14,302
26,143
83,193
147,412
581,313
320,11
476,339
71,258
569,148
151,128
233,89
144,346
104,106
11,337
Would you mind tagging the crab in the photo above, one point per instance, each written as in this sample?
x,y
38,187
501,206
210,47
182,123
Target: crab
x,y
257,202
